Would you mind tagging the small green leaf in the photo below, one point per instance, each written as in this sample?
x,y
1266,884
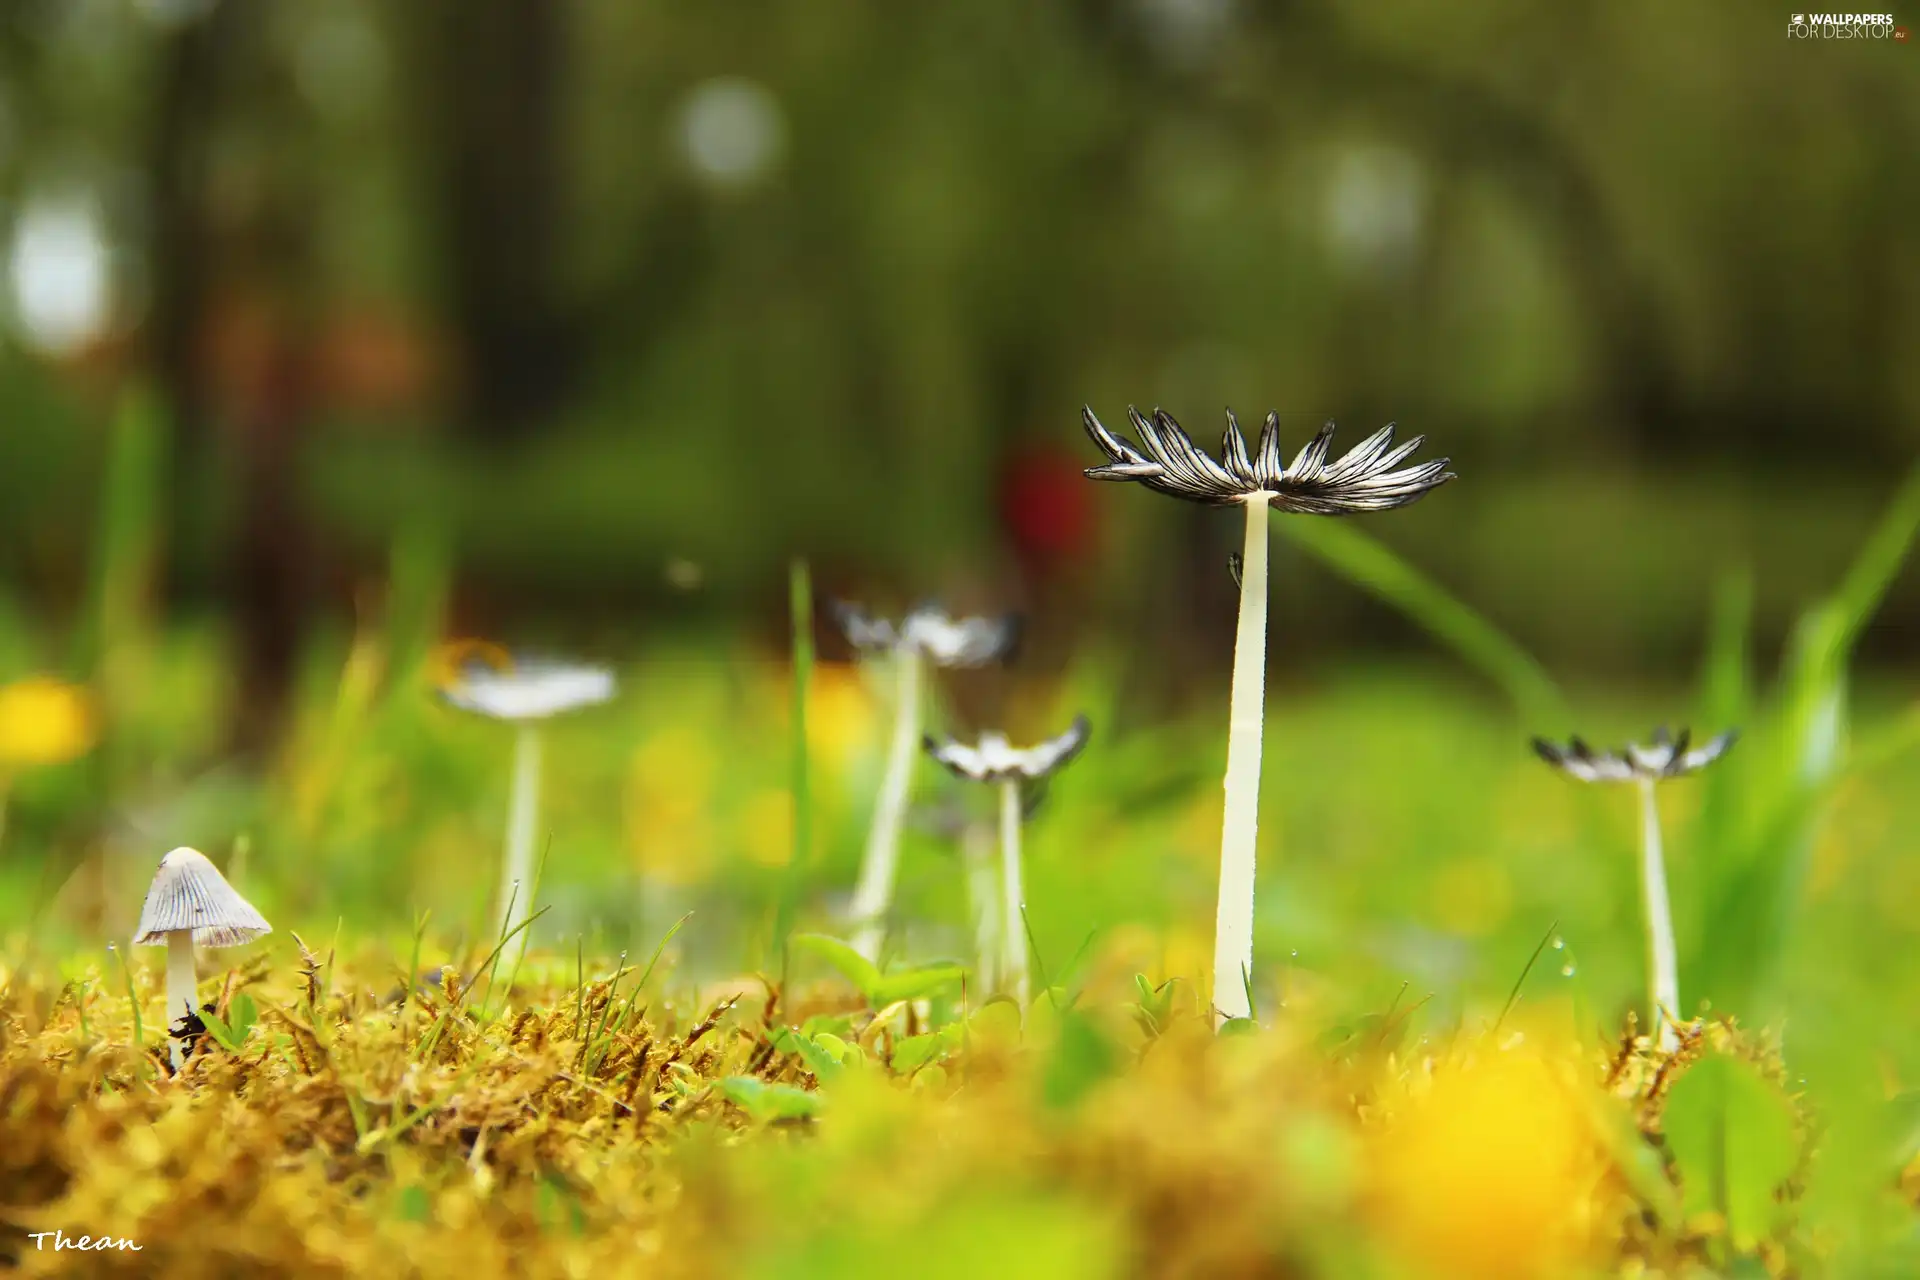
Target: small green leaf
x,y
855,967
1734,1141
232,1032
914,1052
997,1021
765,1101
242,1013
1239,1027
823,1062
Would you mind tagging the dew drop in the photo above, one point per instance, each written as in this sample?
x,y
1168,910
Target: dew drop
x,y
1559,944
1568,970
1295,954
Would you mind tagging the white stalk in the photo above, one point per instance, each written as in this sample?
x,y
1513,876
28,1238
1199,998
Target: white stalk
x,y
1663,970
1013,932
1240,824
976,852
873,893
182,981
516,873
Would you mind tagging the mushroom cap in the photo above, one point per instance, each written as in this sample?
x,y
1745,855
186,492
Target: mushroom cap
x,y
996,760
188,892
531,690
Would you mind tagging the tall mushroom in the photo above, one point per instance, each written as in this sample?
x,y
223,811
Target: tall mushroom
x,y
997,761
1664,757
188,902
924,635
1363,479
524,693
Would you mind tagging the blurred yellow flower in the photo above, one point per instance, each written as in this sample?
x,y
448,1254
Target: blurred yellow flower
x,y
669,801
842,720
766,827
45,721
1493,1170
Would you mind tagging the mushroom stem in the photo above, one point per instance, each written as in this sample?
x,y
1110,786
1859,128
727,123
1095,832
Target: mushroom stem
x,y
523,813
873,893
1663,970
1013,934
976,852
1233,922
182,983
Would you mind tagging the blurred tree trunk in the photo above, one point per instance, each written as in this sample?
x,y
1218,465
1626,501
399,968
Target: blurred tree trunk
x,y
189,84
489,81
228,335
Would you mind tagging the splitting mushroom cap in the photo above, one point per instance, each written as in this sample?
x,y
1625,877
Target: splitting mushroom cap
x,y
532,689
1665,756
946,641
1363,479
189,892
995,759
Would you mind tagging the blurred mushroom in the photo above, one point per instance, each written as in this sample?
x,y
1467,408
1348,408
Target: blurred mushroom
x,y
925,634
997,761
524,693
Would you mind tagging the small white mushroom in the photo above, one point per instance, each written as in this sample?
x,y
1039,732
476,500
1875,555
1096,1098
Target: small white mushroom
x,y
189,902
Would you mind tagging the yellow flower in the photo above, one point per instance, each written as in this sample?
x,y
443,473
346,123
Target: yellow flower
x,y
766,827
669,797
842,720
45,721
1491,1172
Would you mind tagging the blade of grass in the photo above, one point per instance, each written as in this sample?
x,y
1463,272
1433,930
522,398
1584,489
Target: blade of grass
x,y
139,1027
579,985
1513,996
413,965
1033,949
1753,914
800,602
1374,568
520,953
647,973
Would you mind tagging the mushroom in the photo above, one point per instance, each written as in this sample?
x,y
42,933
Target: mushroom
x,y
524,693
925,633
1367,478
188,902
995,760
1664,757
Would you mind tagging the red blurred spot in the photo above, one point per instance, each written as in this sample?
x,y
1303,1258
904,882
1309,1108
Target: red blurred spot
x,y
1046,502
1899,33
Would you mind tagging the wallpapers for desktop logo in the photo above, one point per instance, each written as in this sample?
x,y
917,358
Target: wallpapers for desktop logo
x,y
1844,26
